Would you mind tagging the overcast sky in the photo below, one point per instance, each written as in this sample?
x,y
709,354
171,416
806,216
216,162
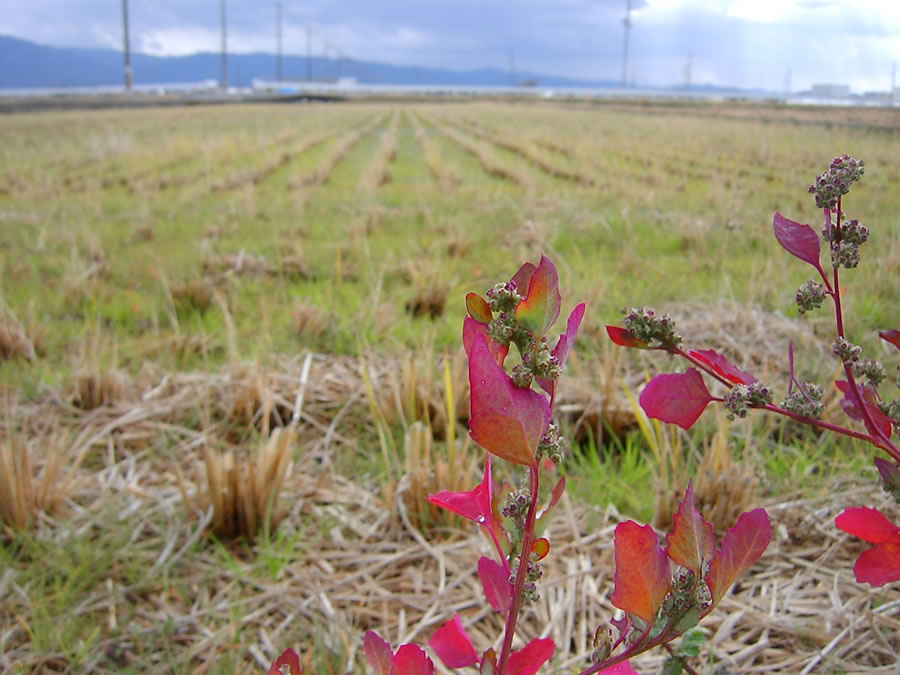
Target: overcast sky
x,y
770,44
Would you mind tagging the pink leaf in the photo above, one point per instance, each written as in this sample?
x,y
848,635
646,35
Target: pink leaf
x,y
892,336
850,405
506,420
621,668
540,308
743,545
564,345
722,366
495,582
475,504
879,565
523,277
890,473
643,574
529,659
692,541
452,644
473,329
625,339
676,398
868,524
412,660
555,496
798,240
478,308
290,659
378,653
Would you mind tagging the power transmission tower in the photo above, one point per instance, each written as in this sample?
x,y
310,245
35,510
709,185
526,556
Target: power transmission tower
x,y
689,66
126,45
627,22
278,72
224,46
308,53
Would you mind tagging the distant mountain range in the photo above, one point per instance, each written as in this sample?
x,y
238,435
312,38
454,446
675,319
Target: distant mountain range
x,y
25,64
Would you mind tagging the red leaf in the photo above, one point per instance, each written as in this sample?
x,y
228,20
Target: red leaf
x,y
564,345
472,329
643,574
692,540
798,240
506,420
540,308
452,645
290,659
676,398
541,548
529,659
879,565
868,524
722,366
743,545
890,473
523,277
621,668
892,336
478,308
850,405
495,582
412,660
378,653
475,504
555,496
625,339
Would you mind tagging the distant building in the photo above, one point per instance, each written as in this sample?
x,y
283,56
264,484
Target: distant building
x,y
830,90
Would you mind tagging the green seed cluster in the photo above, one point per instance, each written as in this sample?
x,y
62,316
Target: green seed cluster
x,y
892,410
806,400
873,371
836,182
552,445
845,350
810,296
533,574
742,397
845,243
657,330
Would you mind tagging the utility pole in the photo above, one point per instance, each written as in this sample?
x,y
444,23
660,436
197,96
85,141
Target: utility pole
x,y
308,53
224,46
687,71
627,22
512,67
126,45
278,73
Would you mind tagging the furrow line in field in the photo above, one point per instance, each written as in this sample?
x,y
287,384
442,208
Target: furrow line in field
x,y
444,176
379,173
321,173
524,152
488,164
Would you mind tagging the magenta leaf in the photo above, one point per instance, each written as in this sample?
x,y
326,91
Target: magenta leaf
x,y
624,338
890,473
743,545
564,345
506,420
868,524
529,659
691,541
892,336
290,659
555,496
540,308
523,277
850,405
495,582
473,329
452,644
378,653
621,668
478,308
676,398
411,660
643,573
722,366
799,240
475,504
879,565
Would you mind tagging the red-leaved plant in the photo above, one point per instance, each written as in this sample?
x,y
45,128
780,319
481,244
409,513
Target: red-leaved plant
x,y
681,398
662,591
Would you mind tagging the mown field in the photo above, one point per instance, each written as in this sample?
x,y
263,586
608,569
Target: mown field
x,y
186,290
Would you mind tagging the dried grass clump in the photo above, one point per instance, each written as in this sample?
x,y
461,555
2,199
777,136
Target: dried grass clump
x,y
310,321
243,488
14,342
238,263
94,389
251,401
29,485
430,289
193,295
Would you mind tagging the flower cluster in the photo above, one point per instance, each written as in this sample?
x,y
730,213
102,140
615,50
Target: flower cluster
x,y
810,296
655,330
741,397
834,183
806,401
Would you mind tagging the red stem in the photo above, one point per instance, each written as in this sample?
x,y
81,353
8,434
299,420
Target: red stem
x,y
527,544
